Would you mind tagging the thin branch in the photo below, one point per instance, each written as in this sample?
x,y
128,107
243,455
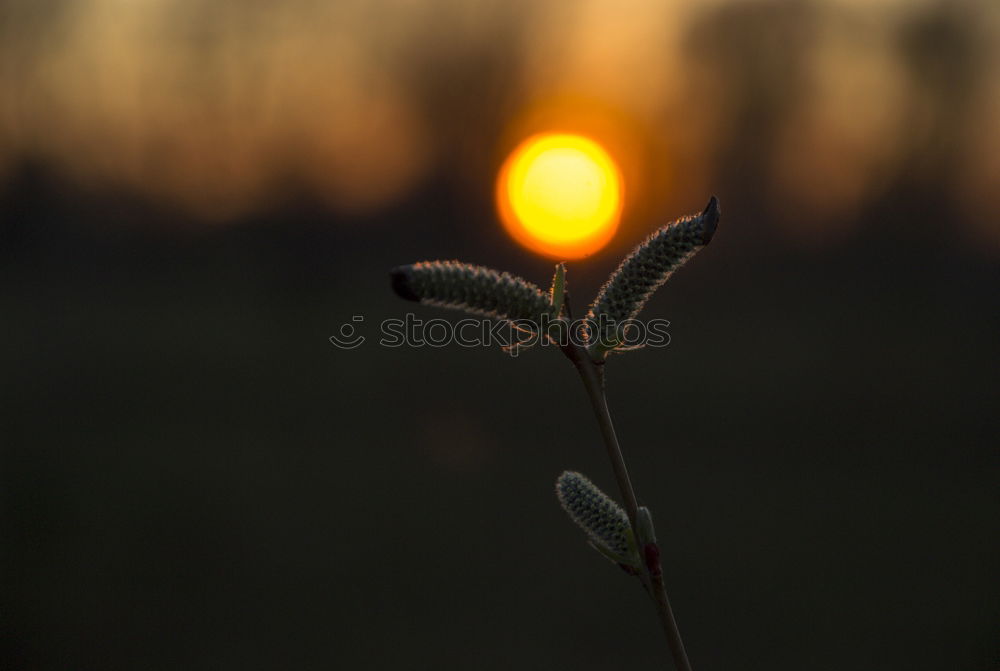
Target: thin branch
x,y
592,375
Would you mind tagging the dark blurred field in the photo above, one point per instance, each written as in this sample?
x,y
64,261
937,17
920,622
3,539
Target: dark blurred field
x,y
193,477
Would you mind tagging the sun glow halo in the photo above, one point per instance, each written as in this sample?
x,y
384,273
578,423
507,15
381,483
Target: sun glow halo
x,y
560,194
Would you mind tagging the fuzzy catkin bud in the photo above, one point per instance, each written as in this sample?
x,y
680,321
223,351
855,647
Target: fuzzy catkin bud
x,y
651,263
595,512
475,289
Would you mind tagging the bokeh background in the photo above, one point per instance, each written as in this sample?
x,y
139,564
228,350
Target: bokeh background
x,y
196,194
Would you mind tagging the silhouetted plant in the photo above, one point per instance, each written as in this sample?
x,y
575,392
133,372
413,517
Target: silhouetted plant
x,y
625,535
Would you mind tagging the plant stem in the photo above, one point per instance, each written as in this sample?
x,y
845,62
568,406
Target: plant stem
x,y
592,375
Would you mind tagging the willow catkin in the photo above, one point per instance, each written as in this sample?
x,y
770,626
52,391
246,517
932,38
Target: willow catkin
x,y
651,264
595,512
475,289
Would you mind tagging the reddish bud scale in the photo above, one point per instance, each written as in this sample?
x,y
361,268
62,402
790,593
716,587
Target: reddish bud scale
x,y
652,555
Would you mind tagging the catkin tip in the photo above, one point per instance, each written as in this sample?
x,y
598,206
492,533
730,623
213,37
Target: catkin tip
x,y
402,283
710,220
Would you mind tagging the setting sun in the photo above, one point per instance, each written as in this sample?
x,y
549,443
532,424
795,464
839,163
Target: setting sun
x,y
560,195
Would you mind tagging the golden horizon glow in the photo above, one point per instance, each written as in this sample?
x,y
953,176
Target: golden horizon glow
x,y
560,194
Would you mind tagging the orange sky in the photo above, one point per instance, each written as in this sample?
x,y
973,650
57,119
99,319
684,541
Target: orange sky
x,y
220,106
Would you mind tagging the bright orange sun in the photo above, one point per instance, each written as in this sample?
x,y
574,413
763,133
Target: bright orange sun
x,y
560,194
